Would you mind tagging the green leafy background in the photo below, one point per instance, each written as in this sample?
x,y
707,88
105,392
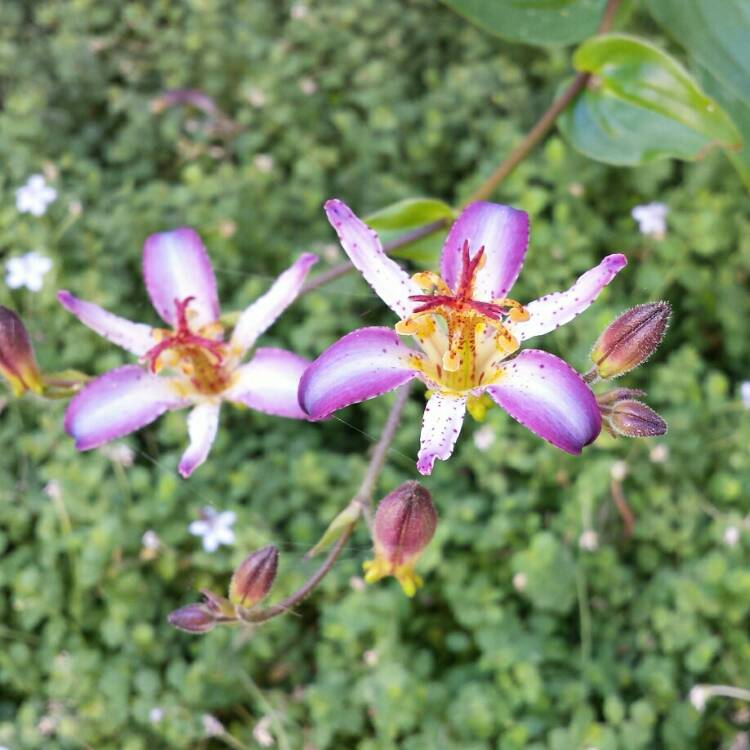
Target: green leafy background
x,y
600,649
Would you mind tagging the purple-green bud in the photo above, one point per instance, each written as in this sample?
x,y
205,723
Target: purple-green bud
x,y
405,522
17,362
254,577
630,339
194,618
635,419
618,394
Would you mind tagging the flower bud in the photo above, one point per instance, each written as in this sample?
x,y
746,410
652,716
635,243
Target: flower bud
x,y
405,523
635,419
618,394
194,618
17,361
254,577
630,339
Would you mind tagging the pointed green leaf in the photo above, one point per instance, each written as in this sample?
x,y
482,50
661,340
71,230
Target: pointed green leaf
x,y
533,21
641,105
336,528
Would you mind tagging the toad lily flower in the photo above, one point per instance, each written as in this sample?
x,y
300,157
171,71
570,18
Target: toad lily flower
x,y
190,365
468,333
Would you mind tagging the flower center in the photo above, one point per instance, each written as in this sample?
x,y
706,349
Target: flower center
x,y
200,358
469,324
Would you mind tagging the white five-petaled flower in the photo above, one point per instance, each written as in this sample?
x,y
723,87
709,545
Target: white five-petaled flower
x,y
27,271
745,393
214,528
468,333
651,219
190,365
35,196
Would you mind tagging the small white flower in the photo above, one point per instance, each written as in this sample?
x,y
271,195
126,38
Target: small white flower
x,y
659,454
119,453
212,727
484,437
731,536
257,97
53,490
150,540
35,196
262,733
215,528
357,583
698,696
330,251
745,393
298,11
652,219
519,581
619,471
263,162
370,657
308,86
156,714
27,270
589,541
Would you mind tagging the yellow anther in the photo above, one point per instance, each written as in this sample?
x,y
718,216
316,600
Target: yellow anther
x,y
407,326
429,280
519,314
451,361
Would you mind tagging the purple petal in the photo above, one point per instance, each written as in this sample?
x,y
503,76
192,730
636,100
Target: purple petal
x,y
549,397
503,232
118,403
269,383
176,266
443,418
361,365
203,421
136,338
385,276
259,316
553,310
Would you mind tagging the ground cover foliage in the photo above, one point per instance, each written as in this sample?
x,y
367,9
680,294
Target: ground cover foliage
x,y
371,101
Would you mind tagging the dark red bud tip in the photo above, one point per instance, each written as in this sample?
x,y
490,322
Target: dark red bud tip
x,y
17,362
254,577
405,523
635,419
630,339
194,618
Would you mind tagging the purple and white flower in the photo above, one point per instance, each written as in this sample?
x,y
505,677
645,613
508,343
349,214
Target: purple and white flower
x,y
651,219
27,271
468,332
214,528
190,365
34,197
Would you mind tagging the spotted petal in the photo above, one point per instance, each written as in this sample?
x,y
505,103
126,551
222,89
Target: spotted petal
x,y
363,364
259,316
203,421
443,418
385,276
136,338
269,383
118,403
176,266
549,397
553,310
503,232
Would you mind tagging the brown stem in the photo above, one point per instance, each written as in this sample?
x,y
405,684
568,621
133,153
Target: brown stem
x,y
546,121
626,514
339,270
362,497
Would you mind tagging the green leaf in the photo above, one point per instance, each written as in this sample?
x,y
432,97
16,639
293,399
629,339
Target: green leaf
x,y
337,527
406,215
715,32
641,105
533,21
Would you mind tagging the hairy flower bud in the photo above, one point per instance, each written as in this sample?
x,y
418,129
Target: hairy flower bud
x,y
405,523
253,579
618,394
17,361
635,419
631,339
194,618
